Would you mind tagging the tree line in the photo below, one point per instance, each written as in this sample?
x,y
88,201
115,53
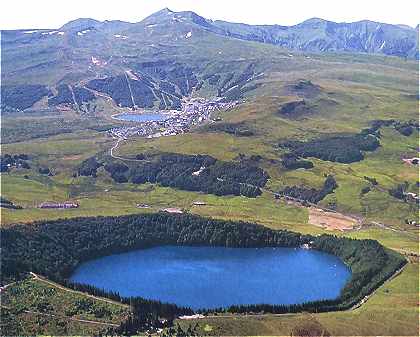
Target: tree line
x,y
21,97
16,160
339,148
406,128
65,96
292,162
311,194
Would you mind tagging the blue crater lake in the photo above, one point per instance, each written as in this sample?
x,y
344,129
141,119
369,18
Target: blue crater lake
x,y
144,117
210,277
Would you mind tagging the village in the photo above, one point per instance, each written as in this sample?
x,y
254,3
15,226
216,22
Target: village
x,y
194,111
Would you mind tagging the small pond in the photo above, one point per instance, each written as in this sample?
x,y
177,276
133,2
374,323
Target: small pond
x,y
144,117
210,277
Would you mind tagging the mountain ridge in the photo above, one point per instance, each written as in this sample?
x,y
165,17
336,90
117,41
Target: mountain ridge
x,y
168,56
311,35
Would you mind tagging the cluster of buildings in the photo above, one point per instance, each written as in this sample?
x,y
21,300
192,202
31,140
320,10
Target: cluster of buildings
x,y
197,110
194,111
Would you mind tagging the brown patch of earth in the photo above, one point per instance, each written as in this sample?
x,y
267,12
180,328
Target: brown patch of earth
x,y
331,220
74,157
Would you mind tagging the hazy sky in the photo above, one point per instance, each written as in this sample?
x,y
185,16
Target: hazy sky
x,y
54,13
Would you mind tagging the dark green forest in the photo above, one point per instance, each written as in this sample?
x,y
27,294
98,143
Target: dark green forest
x,y
295,108
22,96
8,161
118,88
65,96
406,128
199,173
340,148
292,162
310,194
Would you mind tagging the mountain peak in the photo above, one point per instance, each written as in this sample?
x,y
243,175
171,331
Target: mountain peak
x,y
162,12
312,22
160,15
80,24
165,15
165,10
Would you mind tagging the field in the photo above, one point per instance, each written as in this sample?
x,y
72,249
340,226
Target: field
x,y
355,91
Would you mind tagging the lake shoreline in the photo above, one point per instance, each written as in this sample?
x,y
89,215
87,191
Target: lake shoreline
x,y
156,229
205,277
153,116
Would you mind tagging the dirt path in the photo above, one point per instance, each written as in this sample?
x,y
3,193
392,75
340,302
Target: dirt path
x,y
324,217
114,147
71,318
6,286
56,285
387,227
66,317
366,298
111,152
332,220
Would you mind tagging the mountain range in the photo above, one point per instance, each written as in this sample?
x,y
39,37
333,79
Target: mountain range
x,y
313,35
168,55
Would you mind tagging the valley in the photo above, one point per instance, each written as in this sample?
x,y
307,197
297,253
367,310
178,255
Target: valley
x,y
194,111
313,141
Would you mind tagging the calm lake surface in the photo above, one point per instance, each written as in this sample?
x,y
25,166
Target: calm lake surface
x,y
210,277
145,117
